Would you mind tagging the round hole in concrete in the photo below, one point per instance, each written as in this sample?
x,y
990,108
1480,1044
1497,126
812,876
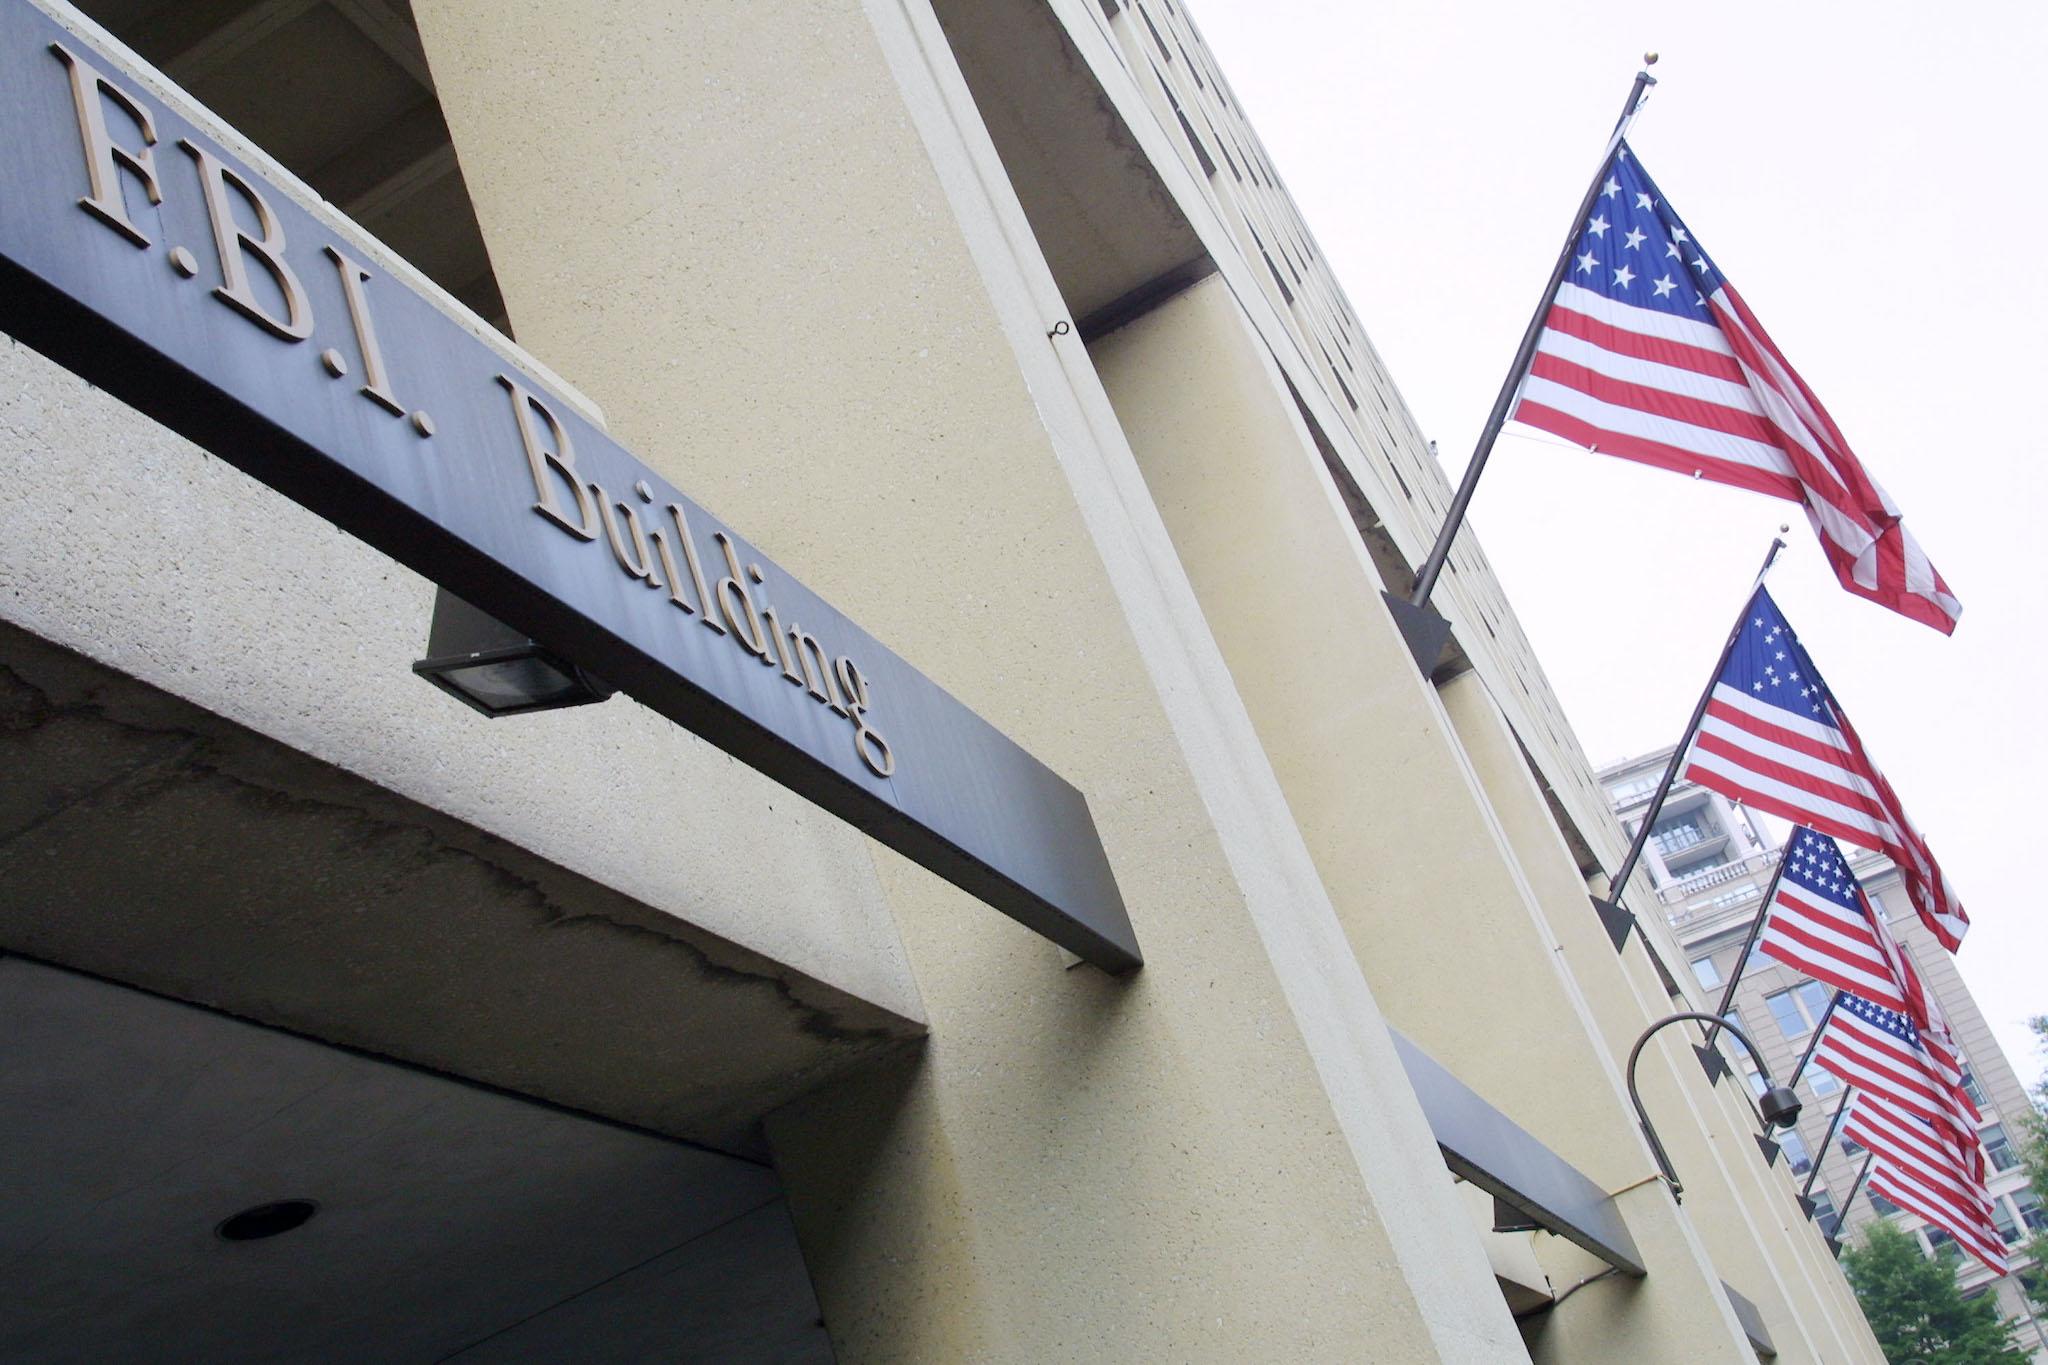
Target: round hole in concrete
x,y
266,1220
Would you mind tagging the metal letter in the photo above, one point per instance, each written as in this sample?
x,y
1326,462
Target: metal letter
x,y
379,385
231,242
539,458
107,201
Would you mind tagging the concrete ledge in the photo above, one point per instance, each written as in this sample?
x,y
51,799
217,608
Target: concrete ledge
x,y
145,839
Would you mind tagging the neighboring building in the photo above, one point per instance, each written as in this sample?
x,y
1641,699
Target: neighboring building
x,y
344,1022
1712,860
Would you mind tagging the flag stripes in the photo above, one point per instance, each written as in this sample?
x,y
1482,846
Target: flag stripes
x,y
1920,1171
1772,735
1648,353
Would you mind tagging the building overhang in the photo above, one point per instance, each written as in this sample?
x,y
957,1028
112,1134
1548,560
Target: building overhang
x,y
1487,1148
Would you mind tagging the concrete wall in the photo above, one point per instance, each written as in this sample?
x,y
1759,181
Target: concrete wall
x,y
1441,912
769,292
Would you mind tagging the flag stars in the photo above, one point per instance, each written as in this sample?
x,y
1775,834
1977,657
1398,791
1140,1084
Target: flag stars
x,y
1635,238
1678,234
1624,277
1700,264
1611,188
1587,262
1671,249
1597,226
1643,201
1663,284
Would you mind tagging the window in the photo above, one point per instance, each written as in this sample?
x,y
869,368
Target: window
x,y
2008,1224
1706,973
1999,1148
1885,1207
1795,1151
1851,1147
1676,833
1941,1246
2028,1205
1822,1082
1628,793
1798,1009
1824,1216
1971,1088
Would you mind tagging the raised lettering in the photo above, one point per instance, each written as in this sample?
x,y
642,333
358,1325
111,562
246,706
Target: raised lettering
x,y
103,160
540,459
872,748
746,622
817,667
378,387
639,561
235,247
775,633
689,544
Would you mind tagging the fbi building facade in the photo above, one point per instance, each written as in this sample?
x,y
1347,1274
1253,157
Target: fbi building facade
x,y
1011,893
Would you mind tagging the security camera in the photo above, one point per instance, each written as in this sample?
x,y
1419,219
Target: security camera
x,y
1780,1107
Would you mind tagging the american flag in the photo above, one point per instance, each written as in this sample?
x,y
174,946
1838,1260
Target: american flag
x,y
1880,1052
1774,736
1649,353
1920,1171
1821,924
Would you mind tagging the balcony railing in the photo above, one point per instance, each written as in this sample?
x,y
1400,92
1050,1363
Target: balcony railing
x,y
1685,888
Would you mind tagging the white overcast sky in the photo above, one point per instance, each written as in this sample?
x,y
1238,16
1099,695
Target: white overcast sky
x,y
1869,176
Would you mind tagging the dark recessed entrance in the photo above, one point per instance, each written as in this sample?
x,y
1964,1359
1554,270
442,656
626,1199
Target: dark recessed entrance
x,y
144,1145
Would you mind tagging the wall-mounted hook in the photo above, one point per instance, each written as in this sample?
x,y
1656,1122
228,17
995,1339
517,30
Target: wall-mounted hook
x,y
1059,329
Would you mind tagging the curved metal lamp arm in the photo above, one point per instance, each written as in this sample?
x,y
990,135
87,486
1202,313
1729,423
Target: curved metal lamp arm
x,y
1778,1115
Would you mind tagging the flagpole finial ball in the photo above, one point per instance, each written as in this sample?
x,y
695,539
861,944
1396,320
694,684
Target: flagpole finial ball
x,y
1784,528
1649,59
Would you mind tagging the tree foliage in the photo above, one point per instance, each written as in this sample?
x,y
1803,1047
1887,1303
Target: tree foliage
x,y
1916,1311
2034,1149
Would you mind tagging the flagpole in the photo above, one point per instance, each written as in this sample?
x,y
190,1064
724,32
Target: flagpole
x,y
1842,1214
1423,628
1612,914
1818,1030
1813,1173
1709,1056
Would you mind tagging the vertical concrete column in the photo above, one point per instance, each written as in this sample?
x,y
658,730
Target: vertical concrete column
x,y
1436,906
720,222
1743,1210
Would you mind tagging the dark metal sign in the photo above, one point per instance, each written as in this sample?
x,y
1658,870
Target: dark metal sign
x,y
142,255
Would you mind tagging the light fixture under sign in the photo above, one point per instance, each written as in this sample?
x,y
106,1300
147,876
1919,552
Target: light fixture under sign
x,y
493,668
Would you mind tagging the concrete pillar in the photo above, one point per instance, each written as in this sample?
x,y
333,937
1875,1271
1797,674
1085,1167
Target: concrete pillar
x,y
1744,1211
1437,908
721,223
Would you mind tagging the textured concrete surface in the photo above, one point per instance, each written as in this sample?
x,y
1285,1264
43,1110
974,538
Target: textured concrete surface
x,y
1438,910
147,840
1080,1167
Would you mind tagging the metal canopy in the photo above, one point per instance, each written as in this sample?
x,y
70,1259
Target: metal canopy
x,y
1752,1323
1491,1150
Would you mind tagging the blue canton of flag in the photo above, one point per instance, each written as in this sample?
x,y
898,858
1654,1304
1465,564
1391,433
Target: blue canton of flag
x,y
1878,1017
1636,250
1816,863
1769,663
1820,923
